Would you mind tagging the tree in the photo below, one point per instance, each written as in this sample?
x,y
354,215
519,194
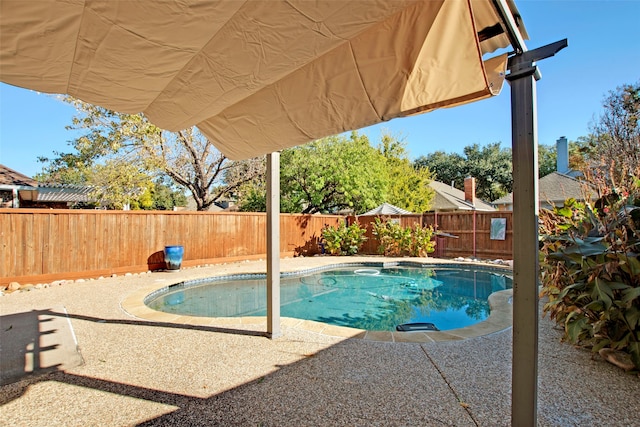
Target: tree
x,y
250,195
165,197
445,167
114,183
615,136
119,184
331,174
492,168
547,158
186,156
409,187
490,165
64,169
341,172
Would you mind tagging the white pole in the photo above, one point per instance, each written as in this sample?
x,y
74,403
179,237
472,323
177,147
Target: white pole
x,y
273,245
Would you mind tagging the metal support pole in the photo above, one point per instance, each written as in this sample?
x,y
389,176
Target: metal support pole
x,y
522,79
273,245
525,253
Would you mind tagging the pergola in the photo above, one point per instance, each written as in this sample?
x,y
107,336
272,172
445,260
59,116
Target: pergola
x,y
259,76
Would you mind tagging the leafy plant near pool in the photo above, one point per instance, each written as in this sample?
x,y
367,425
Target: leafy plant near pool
x,y
396,240
591,273
344,240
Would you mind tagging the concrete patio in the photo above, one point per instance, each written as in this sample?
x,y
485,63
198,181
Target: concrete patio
x,y
139,371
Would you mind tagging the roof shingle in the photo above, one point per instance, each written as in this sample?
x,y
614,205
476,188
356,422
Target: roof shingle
x,y
555,187
10,177
450,198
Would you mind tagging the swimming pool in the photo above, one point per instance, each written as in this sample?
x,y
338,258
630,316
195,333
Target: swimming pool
x,y
373,298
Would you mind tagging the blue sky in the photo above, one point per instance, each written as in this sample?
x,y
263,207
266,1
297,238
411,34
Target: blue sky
x,y
603,53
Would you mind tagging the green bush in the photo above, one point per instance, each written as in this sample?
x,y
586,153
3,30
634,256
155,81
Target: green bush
x,y
396,240
333,239
344,240
591,273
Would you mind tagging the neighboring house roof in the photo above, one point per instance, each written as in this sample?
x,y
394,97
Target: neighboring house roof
x,y
29,188
555,188
11,178
449,198
386,209
63,193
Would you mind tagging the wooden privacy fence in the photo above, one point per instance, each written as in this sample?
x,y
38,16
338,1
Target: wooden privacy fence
x,y
39,245
472,231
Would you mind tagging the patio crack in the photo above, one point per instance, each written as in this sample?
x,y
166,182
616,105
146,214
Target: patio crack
x,y
453,390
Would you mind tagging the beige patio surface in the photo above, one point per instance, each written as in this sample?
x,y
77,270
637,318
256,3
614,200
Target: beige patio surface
x,y
143,370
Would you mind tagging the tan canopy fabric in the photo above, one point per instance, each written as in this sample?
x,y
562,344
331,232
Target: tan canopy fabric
x,y
255,76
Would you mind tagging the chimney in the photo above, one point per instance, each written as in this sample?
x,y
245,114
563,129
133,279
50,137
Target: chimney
x,y
562,155
470,190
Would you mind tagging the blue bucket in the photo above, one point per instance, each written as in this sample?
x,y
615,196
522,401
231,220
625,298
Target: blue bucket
x,y
173,257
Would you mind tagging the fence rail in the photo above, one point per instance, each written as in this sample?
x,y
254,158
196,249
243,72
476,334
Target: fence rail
x,y
38,245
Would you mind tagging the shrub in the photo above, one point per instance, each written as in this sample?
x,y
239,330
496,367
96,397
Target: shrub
x,y
423,242
333,239
591,273
344,239
396,240
392,237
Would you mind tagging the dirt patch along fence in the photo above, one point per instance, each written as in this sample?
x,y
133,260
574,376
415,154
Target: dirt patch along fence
x,y
460,234
39,245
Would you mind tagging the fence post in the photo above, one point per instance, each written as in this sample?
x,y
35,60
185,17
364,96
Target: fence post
x,y
474,233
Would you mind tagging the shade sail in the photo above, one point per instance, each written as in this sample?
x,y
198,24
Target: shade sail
x,y
256,76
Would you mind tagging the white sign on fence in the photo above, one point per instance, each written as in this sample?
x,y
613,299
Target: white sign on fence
x,y
498,228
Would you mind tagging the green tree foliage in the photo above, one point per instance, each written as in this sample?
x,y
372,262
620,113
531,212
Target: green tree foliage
x,y
165,197
491,165
408,187
117,184
333,173
447,168
342,172
188,158
66,168
547,157
250,195
492,168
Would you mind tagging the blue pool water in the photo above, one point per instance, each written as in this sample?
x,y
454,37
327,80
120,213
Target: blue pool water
x,y
371,298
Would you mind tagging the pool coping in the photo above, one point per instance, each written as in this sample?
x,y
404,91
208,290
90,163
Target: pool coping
x,y
500,303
